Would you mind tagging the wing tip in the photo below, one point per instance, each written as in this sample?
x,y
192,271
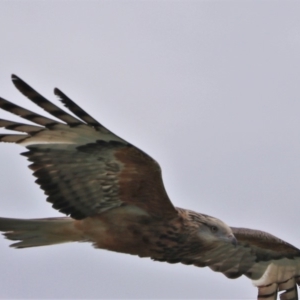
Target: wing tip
x,y
61,96
21,85
15,78
56,91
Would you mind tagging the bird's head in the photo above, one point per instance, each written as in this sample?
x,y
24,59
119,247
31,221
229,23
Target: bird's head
x,y
211,230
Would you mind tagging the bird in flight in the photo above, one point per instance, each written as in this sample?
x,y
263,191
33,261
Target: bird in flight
x,y
113,196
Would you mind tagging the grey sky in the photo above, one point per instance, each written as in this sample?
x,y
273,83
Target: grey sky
x,y
210,89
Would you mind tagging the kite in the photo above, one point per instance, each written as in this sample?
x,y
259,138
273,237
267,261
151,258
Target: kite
x,y
113,196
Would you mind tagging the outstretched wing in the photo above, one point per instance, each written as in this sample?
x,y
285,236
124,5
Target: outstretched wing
x,y
83,167
272,264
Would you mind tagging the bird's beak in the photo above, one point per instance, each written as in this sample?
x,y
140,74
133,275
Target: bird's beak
x,y
233,240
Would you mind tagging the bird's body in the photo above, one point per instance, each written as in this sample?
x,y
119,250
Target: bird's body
x,y
114,196
126,229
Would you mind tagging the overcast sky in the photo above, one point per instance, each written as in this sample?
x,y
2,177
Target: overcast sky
x,y
210,89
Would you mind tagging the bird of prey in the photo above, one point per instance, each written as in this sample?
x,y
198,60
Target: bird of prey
x,y
114,197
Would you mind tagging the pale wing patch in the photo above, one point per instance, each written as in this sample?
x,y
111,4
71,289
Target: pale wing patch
x,y
64,134
279,271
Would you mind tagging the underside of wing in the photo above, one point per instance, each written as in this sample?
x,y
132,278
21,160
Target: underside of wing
x,y
272,264
277,264
84,168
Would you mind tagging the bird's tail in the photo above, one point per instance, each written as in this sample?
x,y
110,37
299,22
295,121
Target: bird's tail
x,y
39,232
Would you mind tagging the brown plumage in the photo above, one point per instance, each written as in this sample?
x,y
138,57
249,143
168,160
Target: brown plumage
x,y
114,196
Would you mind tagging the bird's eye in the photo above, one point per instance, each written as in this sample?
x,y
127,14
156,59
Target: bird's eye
x,y
214,228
